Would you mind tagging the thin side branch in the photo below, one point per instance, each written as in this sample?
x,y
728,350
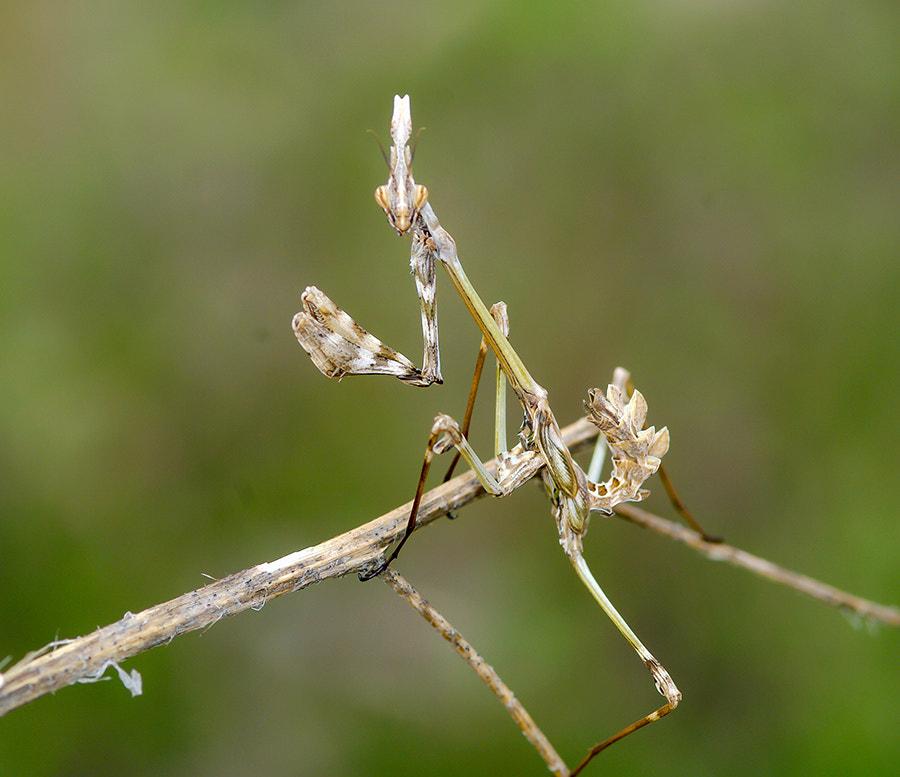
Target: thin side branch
x,y
503,692
720,551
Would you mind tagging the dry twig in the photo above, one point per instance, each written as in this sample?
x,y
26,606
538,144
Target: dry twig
x,y
64,663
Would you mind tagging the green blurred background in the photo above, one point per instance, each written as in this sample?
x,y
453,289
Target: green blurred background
x,y
707,193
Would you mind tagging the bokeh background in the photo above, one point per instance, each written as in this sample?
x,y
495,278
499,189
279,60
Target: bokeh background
x,y
705,192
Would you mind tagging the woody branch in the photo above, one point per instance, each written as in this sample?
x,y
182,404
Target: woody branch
x,y
70,661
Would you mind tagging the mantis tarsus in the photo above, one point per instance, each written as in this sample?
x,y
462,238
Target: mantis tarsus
x,y
338,346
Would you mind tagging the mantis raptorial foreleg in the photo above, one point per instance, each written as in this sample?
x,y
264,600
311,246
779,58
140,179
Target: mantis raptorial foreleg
x,y
339,346
421,262
336,344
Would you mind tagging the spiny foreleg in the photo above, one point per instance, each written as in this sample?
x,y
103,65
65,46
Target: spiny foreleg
x,y
338,346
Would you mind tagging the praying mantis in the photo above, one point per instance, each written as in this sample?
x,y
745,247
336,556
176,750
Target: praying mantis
x,y
338,346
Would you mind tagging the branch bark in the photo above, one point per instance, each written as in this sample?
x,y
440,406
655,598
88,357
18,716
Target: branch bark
x,y
66,662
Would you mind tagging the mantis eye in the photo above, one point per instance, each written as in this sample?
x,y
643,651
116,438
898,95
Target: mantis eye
x,y
383,198
420,196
